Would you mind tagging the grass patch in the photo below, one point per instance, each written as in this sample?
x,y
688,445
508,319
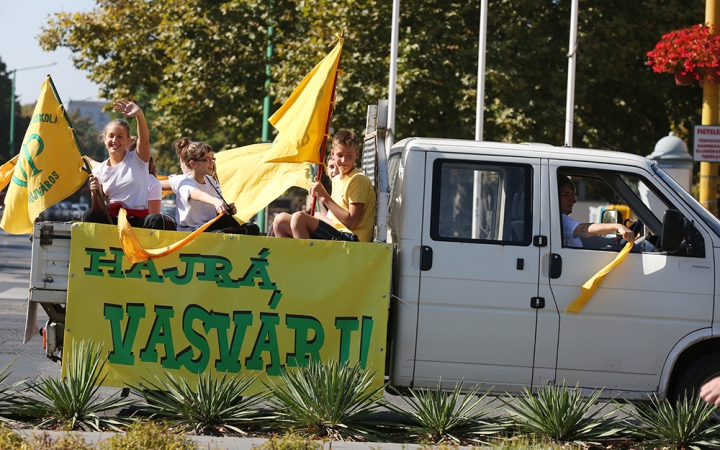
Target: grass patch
x,y
148,435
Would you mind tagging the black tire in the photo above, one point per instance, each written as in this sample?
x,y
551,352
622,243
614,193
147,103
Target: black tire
x,y
694,375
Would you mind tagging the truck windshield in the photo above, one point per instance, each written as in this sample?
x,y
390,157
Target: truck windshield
x,y
703,213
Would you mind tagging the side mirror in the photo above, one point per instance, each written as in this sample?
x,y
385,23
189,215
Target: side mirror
x,y
612,216
672,230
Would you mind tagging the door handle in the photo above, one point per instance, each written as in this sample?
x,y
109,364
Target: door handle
x,y
555,265
426,257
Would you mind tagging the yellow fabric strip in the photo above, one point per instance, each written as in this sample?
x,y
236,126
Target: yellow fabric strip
x,y
591,285
6,172
133,248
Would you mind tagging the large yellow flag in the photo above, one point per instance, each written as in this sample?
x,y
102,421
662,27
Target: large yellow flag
x,y
48,167
302,120
6,172
252,185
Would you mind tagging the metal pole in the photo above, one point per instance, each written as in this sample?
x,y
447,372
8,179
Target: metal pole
x,y
261,215
572,55
710,116
11,150
394,35
480,107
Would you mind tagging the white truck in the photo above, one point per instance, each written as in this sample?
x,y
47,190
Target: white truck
x,y
481,278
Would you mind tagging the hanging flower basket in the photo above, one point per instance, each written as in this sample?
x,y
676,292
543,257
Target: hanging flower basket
x,y
683,78
687,53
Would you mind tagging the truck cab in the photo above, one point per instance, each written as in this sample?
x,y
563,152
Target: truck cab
x,y
483,276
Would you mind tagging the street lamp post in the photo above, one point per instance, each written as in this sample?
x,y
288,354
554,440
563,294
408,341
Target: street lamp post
x,y
12,104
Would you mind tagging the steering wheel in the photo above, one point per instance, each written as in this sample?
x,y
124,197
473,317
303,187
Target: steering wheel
x,y
636,226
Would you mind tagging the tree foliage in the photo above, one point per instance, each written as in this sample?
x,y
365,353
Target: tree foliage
x,y
21,123
201,65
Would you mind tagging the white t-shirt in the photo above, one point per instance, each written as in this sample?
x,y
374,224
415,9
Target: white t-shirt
x,y
126,183
568,226
154,188
190,213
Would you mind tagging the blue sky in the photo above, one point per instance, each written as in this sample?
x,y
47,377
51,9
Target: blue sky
x,y
19,48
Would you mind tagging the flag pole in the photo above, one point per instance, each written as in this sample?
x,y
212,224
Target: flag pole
x,y
77,145
323,145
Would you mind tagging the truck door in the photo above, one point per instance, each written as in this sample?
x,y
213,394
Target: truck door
x,y
620,340
479,271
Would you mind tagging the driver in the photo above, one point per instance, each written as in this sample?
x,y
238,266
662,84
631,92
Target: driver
x,y
574,230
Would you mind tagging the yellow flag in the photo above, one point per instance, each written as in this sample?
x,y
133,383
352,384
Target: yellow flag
x,y
6,171
134,250
48,168
591,285
252,185
302,120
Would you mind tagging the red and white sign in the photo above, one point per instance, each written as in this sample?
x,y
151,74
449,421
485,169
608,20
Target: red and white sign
x,y
707,143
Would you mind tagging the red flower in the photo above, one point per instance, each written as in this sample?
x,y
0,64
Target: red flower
x,y
691,50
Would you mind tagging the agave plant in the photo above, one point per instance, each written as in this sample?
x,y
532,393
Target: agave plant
x,y
216,404
334,400
563,414
73,402
686,425
8,395
444,417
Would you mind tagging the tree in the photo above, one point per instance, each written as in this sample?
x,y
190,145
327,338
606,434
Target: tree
x,y
21,123
201,65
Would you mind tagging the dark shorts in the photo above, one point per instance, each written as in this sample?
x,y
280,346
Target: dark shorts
x,y
327,232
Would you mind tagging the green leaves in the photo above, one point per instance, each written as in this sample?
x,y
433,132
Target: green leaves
x,y
73,402
684,424
214,406
562,414
334,400
444,417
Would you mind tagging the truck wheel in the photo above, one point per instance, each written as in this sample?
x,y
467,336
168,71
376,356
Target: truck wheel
x,y
692,377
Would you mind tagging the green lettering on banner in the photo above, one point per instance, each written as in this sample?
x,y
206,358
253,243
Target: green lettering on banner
x,y
197,340
161,334
147,266
123,342
266,342
365,335
306,348
230,358
173,275
217,269
346,325
115,264
258,269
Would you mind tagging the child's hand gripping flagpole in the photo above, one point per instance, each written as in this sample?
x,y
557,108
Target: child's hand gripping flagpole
x,y
86,166
319,168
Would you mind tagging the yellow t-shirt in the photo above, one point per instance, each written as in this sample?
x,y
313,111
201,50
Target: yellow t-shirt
x,y
355,188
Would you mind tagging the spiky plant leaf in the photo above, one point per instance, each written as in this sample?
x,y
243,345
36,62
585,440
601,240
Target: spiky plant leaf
x,y
8,395
73,402
333,400
445,417
214,405
685,425
563,414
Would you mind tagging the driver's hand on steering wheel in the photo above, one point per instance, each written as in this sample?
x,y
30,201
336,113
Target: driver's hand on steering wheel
x,y
626,233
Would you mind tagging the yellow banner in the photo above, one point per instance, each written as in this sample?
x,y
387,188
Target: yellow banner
x,y
226,303
48,168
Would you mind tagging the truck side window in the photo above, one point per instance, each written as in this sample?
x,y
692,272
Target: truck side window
x,y
616,197
481,202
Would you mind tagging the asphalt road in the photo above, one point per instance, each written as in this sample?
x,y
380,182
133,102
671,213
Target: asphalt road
x,y
30,360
